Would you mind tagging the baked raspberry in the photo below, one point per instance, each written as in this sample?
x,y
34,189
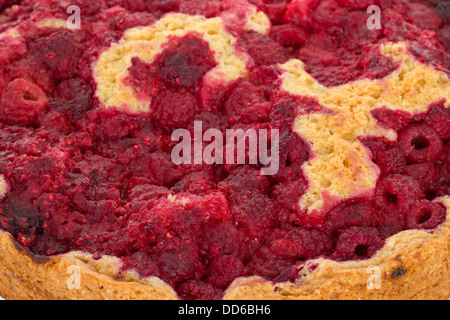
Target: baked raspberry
x,y
194,289
424,173
424,17
442,9
76,98
206,8
289,36
274,9
21,102
246,213
87,7
375,65
195,182
443,36
185,62
438,118
391,159
357,243
168,117
288,194
133,6
60,52
124,20
162,170
352,213
393,119
245,179
357,4
223,270
299,12
11,48
327,14
298,243
262,48
35,71
397,193
218,238
426,215
247,104
420,143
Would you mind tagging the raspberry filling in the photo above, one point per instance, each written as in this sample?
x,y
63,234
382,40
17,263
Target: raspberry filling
x,y
102,181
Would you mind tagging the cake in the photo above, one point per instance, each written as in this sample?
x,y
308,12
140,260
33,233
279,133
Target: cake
x,y
93,205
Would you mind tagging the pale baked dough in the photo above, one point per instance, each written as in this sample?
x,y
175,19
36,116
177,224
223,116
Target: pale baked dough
x,y
342,165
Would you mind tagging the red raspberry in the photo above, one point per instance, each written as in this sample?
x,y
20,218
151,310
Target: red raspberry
x,y
247,104
443,11
245,179
438,118
397,193
218,238
358,4
357,243
328,14
144,192
199,290
162,170
60,52
299,12
426,215
298,243
316,56
420,143
87,8
393,119
288,194
123,20
76,96
289,36
376,65
196,182
263,49
255,213
423,17
11,48
21,102
205,8
274,9
223,270
212,205
424,173
390,160
185,62
266,264
173,118
352,213
34,70
131,5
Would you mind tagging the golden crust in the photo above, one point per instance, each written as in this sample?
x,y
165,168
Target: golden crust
x,y
424,257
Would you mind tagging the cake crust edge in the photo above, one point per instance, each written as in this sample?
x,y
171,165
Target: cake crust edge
x,y
413,264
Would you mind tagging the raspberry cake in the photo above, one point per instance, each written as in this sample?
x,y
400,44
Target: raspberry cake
x,y
87,181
